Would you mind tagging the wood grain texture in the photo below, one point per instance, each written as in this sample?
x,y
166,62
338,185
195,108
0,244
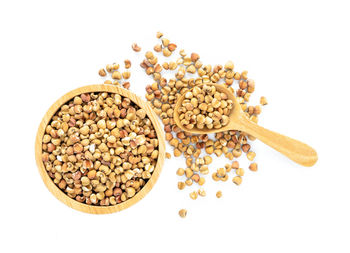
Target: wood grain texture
x,y
53,188
297,151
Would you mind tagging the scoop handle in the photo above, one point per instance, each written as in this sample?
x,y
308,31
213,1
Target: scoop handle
x,y
297,151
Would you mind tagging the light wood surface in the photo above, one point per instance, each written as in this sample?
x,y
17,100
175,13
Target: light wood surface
x,y
54,188
295,150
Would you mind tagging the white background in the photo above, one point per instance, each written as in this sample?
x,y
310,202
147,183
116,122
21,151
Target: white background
x,y
296,51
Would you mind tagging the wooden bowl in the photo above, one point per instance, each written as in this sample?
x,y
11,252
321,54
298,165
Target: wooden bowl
x,y
58,193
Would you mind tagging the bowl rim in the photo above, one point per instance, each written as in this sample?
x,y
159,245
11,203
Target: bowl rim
x,y
58,193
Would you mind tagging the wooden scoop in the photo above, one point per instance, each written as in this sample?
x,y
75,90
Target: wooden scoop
x,y
295,150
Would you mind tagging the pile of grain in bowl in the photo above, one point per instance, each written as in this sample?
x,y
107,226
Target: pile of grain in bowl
x,y
100,148
204,107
